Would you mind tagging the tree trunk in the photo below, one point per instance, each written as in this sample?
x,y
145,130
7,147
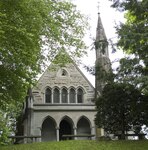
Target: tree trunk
x,y
123,125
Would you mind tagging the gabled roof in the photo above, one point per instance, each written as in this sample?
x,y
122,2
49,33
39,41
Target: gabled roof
x,y
61,60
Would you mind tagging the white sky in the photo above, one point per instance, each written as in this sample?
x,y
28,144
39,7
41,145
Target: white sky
x,y
109,16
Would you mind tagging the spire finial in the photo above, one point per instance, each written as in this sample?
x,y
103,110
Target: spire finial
x,y
98,7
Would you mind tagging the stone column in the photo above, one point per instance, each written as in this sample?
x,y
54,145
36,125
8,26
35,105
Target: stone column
x,y
93,132
37,131
102,132
52,96
60,96
68,101
76,97
25,130
75,132
57,133
43,94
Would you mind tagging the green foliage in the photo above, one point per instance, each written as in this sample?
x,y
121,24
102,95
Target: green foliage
x,y
32,32
132,71
3,129
26,27
133,40
81,145
62,55
8,117
123,105
121,108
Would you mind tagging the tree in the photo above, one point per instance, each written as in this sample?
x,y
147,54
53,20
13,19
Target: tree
x,y
26,26
31,32
121,108
7,122
132,71
133,41
123,103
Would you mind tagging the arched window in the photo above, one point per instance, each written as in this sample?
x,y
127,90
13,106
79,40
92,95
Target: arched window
x,y
56,96
64,96
80,95
64,72
48,95
72,95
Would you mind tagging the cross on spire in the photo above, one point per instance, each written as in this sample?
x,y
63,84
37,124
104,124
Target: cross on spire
x,y
98,6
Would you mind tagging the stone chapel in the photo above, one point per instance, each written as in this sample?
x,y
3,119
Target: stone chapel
x,y
62,102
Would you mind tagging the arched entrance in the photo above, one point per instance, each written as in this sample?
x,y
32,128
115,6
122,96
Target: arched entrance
x,y
66,128
83,127
48,132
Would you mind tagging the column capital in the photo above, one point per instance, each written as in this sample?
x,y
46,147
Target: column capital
x,y
74,128
57,128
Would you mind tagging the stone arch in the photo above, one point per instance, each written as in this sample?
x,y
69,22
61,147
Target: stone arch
x,y
63,72
83,126
83,116
66,127
56,87
72,87
64,87
48,129
83,89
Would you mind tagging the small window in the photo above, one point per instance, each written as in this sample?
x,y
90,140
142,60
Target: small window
x,y
64,72
56,96
64,96
80,95
72,96
48,95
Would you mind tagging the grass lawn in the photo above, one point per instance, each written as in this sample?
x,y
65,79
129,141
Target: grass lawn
x,y
81,145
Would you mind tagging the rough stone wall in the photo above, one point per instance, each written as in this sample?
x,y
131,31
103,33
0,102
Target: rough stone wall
x,y
52,78
39,117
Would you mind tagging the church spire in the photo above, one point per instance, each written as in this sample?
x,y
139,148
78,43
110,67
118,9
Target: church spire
x,y
101,40
102,64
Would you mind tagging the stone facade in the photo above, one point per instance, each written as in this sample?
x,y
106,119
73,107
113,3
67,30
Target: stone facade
x,y
67,107
62,102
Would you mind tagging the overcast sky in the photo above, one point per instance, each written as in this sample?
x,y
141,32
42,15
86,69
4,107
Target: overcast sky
x,y
108,16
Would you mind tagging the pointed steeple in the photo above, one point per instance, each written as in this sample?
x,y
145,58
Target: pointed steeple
x,y
100,30
103,65
101,43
